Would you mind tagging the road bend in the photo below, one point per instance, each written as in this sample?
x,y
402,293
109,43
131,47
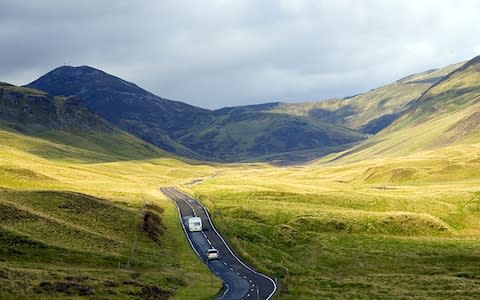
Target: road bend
x,y
240,280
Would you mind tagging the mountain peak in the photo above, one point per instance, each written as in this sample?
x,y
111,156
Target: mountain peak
x,y
79,70
124,104
68,81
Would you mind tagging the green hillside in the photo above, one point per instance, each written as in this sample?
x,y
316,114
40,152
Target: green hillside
x,y
276,131
372,111
125,105
396,217
377,228
243,133
445,115
80,211
72,131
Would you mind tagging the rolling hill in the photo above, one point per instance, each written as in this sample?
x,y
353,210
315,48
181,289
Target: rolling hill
x,y
447,114
374,110
156,120
284,133
248,133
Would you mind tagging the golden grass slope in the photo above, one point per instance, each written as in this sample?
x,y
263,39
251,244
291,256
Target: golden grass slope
x,y
375,228
396,214
358,111
397,218
446,115
74,227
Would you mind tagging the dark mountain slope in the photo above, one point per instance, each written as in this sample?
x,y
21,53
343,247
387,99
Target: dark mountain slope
x,y
154,119
73,130
244,132
230,134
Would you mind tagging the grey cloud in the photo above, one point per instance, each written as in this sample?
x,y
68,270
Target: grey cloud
x,y
224,53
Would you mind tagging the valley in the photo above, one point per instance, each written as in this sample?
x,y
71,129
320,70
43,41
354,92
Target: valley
x,y
374,196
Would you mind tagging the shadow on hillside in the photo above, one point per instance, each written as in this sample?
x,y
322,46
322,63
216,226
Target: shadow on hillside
x,y
95,147
85,147
299,157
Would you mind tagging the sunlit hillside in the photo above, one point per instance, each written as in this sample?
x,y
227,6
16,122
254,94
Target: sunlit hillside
x,y
371,111
78,227
80,210
395,217
446,114
81,213
379,228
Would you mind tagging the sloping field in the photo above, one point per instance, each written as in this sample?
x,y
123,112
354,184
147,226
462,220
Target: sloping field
x,y
374,110
446,115
381,228
73,227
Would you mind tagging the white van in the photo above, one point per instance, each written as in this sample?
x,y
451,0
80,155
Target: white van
x,y
194,224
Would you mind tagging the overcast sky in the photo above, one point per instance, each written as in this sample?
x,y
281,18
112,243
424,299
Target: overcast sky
x,y
222,53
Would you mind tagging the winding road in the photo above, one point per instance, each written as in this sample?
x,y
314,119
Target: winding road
x,y
240,280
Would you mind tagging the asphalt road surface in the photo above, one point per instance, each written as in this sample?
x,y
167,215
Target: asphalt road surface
x,y
240,280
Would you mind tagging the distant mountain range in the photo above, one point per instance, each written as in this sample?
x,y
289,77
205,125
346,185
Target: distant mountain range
x,y
277,132
233,134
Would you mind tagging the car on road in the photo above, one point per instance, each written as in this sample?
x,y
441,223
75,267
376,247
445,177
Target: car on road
x,y
194,224
212,254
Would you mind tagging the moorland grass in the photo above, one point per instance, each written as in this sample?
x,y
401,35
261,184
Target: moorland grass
x,y
375,229
78,228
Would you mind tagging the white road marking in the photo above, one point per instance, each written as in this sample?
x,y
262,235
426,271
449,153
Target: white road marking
x,y
191,200
226,290
184,230
208,241
238,259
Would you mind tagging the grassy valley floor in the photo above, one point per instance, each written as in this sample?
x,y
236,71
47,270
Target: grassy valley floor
x,y
392,228
71,227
